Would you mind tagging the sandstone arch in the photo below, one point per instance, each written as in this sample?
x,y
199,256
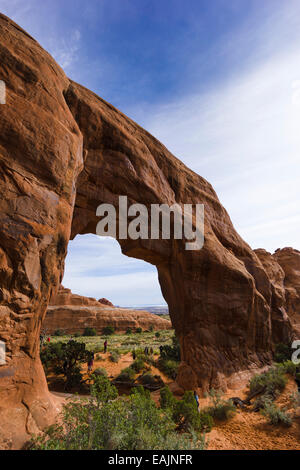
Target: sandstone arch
x,y
63,152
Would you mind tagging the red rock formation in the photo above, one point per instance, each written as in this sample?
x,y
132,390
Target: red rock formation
x,y
281,325
219,297
65,296
72,313
73,319
105,302
289,260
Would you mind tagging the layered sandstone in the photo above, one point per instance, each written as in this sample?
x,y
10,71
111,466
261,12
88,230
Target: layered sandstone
x,y
64,151
72,313
289,261
283,269
65,296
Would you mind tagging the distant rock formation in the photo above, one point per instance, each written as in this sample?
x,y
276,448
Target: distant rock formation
x,y
65,296
72,313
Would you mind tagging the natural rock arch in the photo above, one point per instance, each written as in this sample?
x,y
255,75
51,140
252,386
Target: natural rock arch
x,y
63,152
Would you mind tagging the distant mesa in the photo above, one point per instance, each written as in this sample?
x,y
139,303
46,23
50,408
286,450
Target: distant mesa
x,y
72,313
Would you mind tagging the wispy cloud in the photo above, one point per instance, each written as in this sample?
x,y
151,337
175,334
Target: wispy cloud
x,y
66,50
242,134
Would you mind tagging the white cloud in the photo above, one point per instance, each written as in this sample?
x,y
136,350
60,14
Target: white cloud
x,y
243,136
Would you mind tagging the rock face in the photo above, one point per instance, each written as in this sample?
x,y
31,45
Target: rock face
x,y
65,296
283,269
72,313
64,151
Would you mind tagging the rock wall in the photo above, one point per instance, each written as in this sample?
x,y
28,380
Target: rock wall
x,y
64,151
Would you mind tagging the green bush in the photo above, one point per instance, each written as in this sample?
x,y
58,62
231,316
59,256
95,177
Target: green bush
x,y
108,330
139,389
100,371
288,367
88,331
152,380
126,375
105,422
77,334
219,408
129,331
138,365
59,333
139,330
167,400
295,399
283,352
65,358
186,414
270,383
275,415
168,367
157,334
114,356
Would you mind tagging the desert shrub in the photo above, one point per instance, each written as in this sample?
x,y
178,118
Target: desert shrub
x,y
65,359
129,331
168,367
107,422
138,365
157,334
108,330
151,329
149,379
126,375
114,356
167,400
283,352
261,401
100,371
59,333
270,383
295,399
288,367
88,331
186,415
219,408
139,389
139,330
275,415
77,334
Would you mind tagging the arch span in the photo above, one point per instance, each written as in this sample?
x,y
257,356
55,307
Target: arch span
x,y
63,152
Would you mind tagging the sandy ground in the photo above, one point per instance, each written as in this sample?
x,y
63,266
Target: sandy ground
x,y
245,431
250,431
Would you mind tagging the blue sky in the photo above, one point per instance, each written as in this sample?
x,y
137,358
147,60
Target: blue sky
x,y
218,82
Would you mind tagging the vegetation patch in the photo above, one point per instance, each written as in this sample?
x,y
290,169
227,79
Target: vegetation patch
x,y
105,422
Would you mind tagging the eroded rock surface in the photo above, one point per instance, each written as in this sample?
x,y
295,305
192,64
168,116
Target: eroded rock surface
x,y
72,313
64,151
65,296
